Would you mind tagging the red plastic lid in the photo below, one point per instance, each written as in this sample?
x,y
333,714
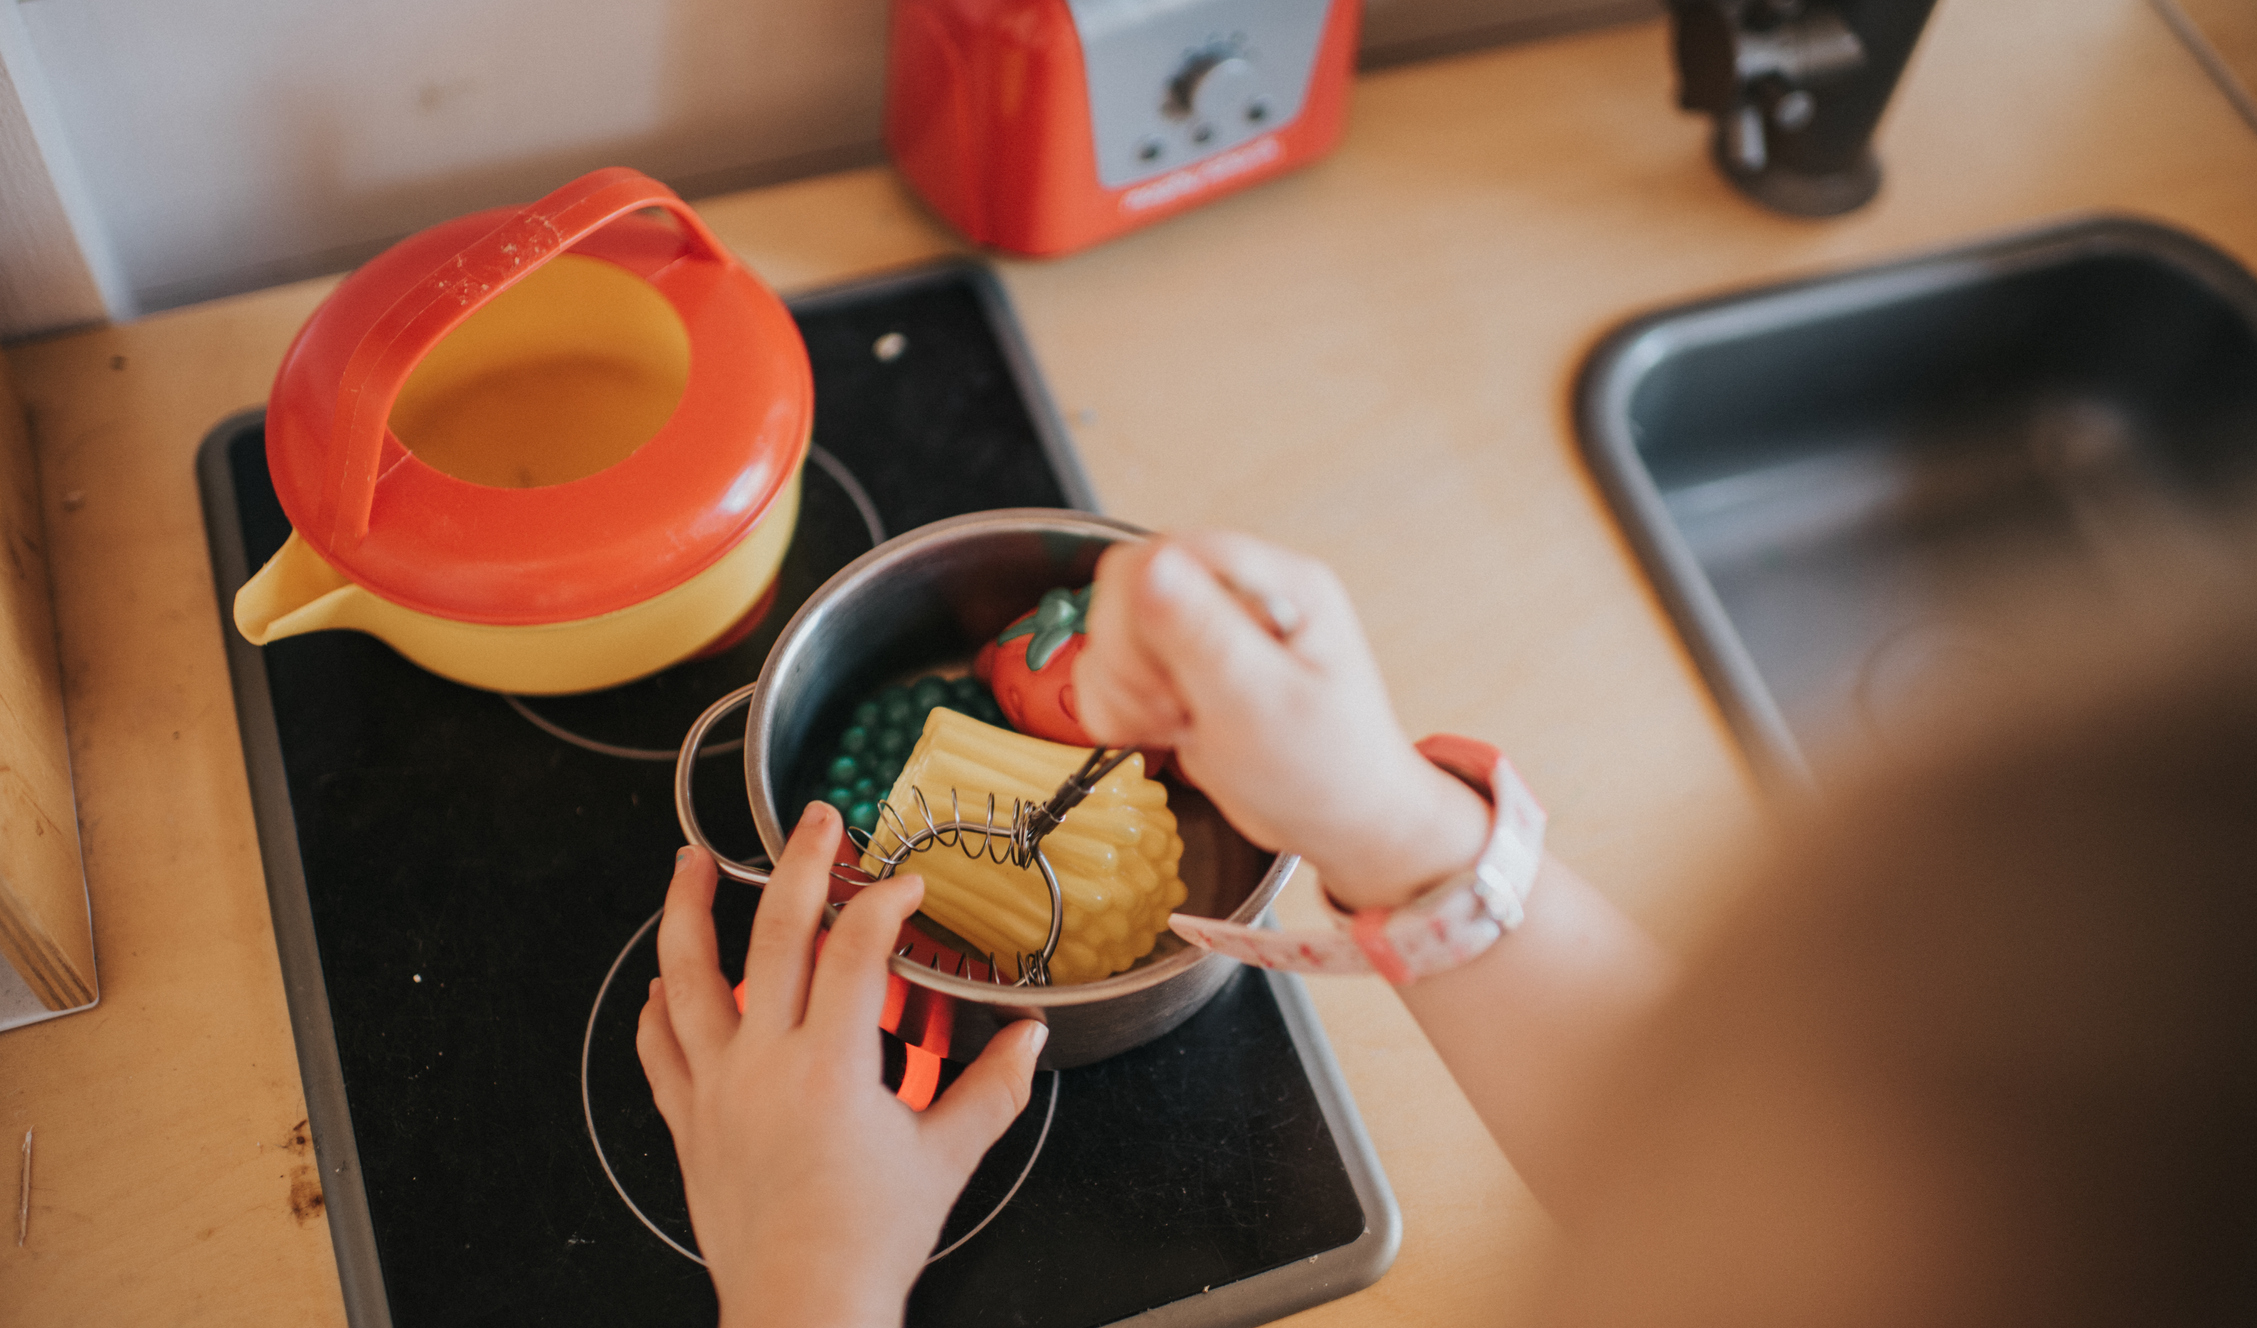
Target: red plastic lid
x,y
448,547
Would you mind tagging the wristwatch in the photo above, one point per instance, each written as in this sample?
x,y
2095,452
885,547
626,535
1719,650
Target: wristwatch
x,y
1447,925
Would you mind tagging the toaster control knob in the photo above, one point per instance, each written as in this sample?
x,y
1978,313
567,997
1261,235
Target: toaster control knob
x,y
1212,86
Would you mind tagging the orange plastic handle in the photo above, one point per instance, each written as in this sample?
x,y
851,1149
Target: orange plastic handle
x,y
434,306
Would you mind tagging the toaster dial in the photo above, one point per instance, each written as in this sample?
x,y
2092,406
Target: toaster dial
x,y
1173,84
1212,86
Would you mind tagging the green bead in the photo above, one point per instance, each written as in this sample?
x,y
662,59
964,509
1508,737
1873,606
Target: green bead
x,y
894,706
854,740
929,692
863,816
889,770
893,742
843,770
866,715
968,689
838,795
864,789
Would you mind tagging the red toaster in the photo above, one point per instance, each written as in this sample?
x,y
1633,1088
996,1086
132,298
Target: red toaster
x,y
1045,126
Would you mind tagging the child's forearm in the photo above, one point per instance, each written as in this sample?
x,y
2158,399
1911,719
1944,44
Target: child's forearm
x,y
1531,1024
1291,734
1531,1027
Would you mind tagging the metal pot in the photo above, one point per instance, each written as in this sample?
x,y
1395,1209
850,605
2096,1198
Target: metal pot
x,y
928,598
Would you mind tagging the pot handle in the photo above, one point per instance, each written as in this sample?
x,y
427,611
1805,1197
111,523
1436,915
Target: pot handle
x,y
685,771
389,351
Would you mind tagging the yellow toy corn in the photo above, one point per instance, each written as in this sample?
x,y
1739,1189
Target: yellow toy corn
x,y
1116,855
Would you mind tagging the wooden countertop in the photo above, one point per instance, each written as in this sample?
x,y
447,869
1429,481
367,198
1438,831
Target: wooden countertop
x,y
1370,360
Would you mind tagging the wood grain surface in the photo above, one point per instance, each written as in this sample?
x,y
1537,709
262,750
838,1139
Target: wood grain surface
x,y
1371,360
44,931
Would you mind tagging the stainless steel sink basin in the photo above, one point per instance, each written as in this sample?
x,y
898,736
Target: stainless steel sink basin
x,y
1810,471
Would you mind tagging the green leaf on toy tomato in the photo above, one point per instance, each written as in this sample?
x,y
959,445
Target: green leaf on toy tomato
x,y
1060,617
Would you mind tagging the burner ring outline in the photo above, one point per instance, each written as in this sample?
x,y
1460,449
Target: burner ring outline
x,y
588,1115
863,507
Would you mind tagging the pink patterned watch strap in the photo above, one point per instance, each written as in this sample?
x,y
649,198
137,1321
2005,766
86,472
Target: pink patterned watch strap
x,y
1441,929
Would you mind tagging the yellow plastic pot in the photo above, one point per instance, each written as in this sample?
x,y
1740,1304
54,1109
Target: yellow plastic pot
x,y
540,450
297,592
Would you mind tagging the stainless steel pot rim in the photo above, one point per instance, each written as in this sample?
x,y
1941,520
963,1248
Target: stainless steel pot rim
x,y
1135,979
757,697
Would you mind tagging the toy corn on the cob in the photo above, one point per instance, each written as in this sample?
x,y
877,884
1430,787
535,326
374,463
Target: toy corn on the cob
x,y
1116,855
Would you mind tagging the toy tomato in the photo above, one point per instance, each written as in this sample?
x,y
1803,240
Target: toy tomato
x,y
1034,683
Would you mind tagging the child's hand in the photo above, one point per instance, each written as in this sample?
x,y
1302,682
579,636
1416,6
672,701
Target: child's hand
x,y
1293,739
815,1193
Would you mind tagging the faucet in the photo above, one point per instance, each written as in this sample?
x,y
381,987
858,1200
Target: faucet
x,y
1796,87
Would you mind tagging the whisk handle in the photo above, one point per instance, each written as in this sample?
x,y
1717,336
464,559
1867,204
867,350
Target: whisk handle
x,y
685,770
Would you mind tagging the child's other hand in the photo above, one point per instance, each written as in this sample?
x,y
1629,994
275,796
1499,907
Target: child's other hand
x,y
815,1193
1293,738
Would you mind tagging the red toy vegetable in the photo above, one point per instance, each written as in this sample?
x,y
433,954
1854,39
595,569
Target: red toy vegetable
x,y
1034,683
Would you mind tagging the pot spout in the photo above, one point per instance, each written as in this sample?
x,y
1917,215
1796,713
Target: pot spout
x,y
297,591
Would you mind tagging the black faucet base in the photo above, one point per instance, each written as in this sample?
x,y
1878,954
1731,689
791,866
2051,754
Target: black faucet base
x,y
1798,194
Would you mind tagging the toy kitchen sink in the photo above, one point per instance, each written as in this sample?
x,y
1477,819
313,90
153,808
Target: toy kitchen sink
x,y
1812,471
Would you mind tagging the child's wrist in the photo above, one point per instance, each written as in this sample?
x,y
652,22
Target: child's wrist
x,y
796,1297
1411,900
1434,827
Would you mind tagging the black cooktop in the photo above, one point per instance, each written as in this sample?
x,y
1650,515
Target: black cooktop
x,y
464,890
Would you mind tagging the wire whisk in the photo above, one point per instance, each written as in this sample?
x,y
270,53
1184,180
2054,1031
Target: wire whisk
x,y
1016,843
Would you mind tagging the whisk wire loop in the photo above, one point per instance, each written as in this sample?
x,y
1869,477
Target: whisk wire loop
x,y
1016,842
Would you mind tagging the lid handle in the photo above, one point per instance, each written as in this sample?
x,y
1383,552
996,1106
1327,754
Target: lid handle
x,y
434,306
